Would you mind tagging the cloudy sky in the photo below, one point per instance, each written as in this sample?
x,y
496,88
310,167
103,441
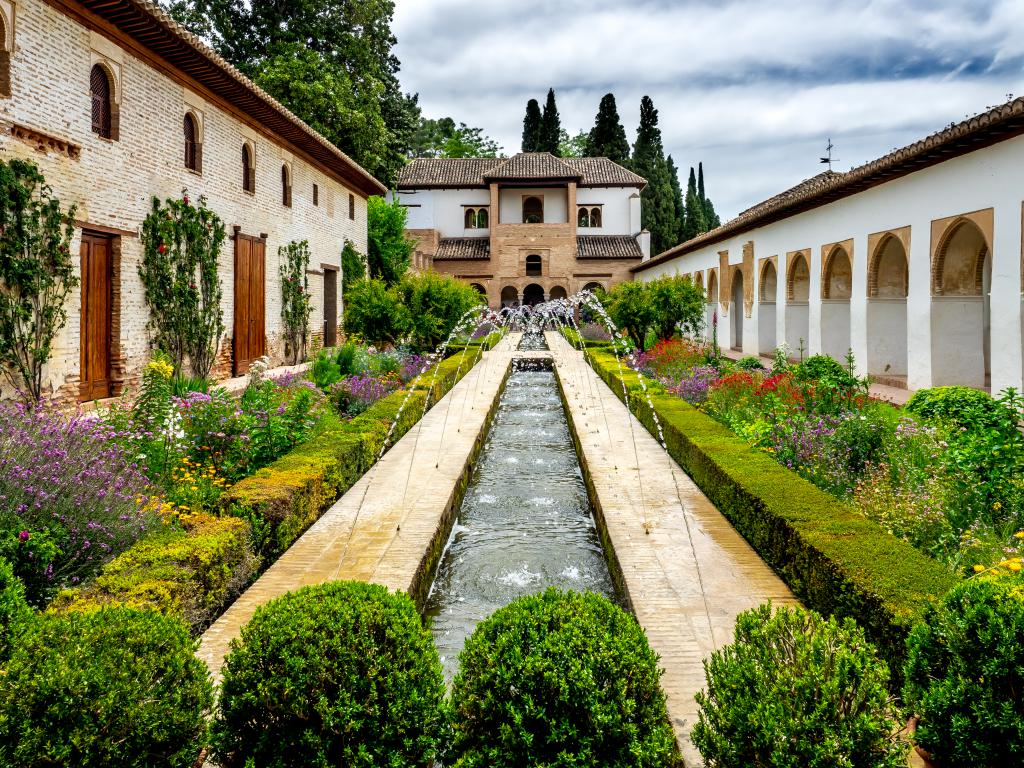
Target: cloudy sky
x,y
751,88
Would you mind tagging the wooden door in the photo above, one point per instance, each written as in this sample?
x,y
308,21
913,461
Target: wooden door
x,y
250,327
330,307
97,293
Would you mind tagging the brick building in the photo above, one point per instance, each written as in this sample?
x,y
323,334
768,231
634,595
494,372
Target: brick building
x,y
116,104
526,228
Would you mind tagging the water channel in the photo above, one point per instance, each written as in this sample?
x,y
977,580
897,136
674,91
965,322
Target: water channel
x,y
525,522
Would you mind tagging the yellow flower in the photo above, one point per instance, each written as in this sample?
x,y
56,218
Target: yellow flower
x,y
979,568
1014,565
997,506
1019,535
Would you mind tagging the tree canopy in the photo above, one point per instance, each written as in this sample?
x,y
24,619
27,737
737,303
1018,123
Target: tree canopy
x,y
608,138
550,126
532,127
442,138
389,250
658,214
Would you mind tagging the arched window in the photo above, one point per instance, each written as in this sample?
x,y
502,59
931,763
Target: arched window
x,y
534,267
286,187
595,217
470,217
193,149
583,218
102,106
482,219
248,170
5,61
533,210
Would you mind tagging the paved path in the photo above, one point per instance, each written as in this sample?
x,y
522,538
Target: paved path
x,y
686,570
381,530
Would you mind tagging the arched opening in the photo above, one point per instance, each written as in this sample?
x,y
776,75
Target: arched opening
x,y
583,218
798,294
534,265
102,103
558,292
698,280
509,296
470,218
887,309
593,287
533,294
961,309
248,170
595,217
479,289
5,60
836,290
286,187
711,304
191,131
533,210
482,219
766,293
736,309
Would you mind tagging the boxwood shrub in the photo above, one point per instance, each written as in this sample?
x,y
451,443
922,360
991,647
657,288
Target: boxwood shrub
x,y
340,674
14,611
837,561
559,679
116,686
965,673
796,690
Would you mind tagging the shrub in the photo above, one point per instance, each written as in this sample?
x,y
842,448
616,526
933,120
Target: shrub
x,y
353,266
965,672
751,364
339,674
677,304
962,406
354,394
389,249
796,690
113,687
436,304
14,611
375,312
629,306
559,679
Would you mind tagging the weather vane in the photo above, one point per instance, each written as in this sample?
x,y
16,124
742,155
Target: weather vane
x,y
829,159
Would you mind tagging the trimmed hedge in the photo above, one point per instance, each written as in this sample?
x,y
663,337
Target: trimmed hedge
x,y
486,343
192,573
833,558
284,499
573,337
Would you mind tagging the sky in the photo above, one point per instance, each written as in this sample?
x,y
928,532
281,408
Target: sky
x,y
752,89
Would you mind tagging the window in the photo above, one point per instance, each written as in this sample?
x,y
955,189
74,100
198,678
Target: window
x,y
595,217
533,210
5,60
248,170
286,187
193,148
470,218
102,103
587,216
534,267
482,219
352,207
583,218
475,218
316,195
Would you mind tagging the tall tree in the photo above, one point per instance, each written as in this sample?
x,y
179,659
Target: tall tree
x,y
330,61
608,138
572,146
389,250
711,220
532,128
551,126
658,205
693,221
678,204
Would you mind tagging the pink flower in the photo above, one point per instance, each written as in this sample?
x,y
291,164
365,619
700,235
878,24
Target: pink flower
x,y
24,536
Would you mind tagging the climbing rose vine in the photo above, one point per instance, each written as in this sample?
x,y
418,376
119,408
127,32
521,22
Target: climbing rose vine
x,y
295,303
179,271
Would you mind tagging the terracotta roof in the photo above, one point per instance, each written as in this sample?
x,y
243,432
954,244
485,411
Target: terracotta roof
x,y
463,248
462,173
150,26
607,247
984,130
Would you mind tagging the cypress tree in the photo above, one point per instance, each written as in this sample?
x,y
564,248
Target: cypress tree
x,y
693,221
551,126
657,200
608,138
532,127
711,220
678,205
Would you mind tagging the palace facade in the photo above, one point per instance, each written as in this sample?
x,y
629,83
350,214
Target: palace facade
x,y
912,261
528,228
116,104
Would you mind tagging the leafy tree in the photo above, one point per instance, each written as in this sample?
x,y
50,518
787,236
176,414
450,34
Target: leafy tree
x,y
572,146
693,221
322,44
389,249
375,312
296,305
442,138
353,266
629,306
678,204
435,304
180,276
551,126
711,220
658,206
677,304
532,130
608,138
36,274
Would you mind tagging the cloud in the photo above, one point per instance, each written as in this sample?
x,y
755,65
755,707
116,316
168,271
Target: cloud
x,y
752,89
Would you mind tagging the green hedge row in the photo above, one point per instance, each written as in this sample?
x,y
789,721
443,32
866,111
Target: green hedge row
x,y
484,344
573,337
834,559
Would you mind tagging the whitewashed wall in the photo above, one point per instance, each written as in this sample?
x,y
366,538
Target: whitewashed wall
x,y
443,210
555,202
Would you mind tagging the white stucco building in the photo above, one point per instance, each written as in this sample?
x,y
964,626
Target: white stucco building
x,y
912,261
526,228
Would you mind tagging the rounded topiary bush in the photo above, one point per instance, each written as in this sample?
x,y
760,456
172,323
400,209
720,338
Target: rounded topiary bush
x,y
795,690
559,679
340,674
965,673
116,686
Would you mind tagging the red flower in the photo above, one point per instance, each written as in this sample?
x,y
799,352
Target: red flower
x,y
185,199
161,248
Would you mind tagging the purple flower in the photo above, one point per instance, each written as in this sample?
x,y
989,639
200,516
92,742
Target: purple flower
x,y
24,536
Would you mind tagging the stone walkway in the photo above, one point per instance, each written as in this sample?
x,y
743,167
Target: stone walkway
x,y
687,572
383,528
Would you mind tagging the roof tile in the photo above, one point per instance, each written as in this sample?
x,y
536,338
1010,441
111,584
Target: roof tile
x,y
608,247
463,249
462,173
